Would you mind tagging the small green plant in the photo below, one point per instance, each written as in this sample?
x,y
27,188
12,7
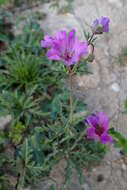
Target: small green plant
x,y
16,3
21,107
15,132
4,2
122,56
3,183
30,167
5,29
119,140
22,71
62,9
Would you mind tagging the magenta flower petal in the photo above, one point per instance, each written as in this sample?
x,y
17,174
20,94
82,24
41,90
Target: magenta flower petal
x,y
79,54
81,49
95,23
104,22
105,138
53,55
103,120
71,40
92,120
47,42
60,35
90,132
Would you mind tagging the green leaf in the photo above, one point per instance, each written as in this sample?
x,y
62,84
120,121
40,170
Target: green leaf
x,y
52,187
121,141
2,138
68,173
78,117
3,183
3,37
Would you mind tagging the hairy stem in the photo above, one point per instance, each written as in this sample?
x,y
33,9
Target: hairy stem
x,y
71,106
90,40
92,48
90,43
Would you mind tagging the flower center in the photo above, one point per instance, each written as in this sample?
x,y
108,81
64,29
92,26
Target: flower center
x,y
99,130
67,55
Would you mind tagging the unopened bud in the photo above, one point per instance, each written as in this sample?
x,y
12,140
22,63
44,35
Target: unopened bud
x,y
90,58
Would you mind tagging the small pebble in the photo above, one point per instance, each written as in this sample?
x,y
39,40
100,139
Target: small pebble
x,y
86,186
108,162
123,166
94,170
81,83
115,87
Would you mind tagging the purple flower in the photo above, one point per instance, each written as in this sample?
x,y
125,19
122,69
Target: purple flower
x,y
101,25
64,47
98,128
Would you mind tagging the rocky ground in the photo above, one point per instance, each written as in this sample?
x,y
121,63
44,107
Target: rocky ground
x,y
104,90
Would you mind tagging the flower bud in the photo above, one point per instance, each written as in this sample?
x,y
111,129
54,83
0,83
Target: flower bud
x,y
100,25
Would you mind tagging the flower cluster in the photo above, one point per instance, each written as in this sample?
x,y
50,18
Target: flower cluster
x,y
67,48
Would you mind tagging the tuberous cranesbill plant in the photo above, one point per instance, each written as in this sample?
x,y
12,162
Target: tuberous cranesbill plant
x,y
65,47
41,132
